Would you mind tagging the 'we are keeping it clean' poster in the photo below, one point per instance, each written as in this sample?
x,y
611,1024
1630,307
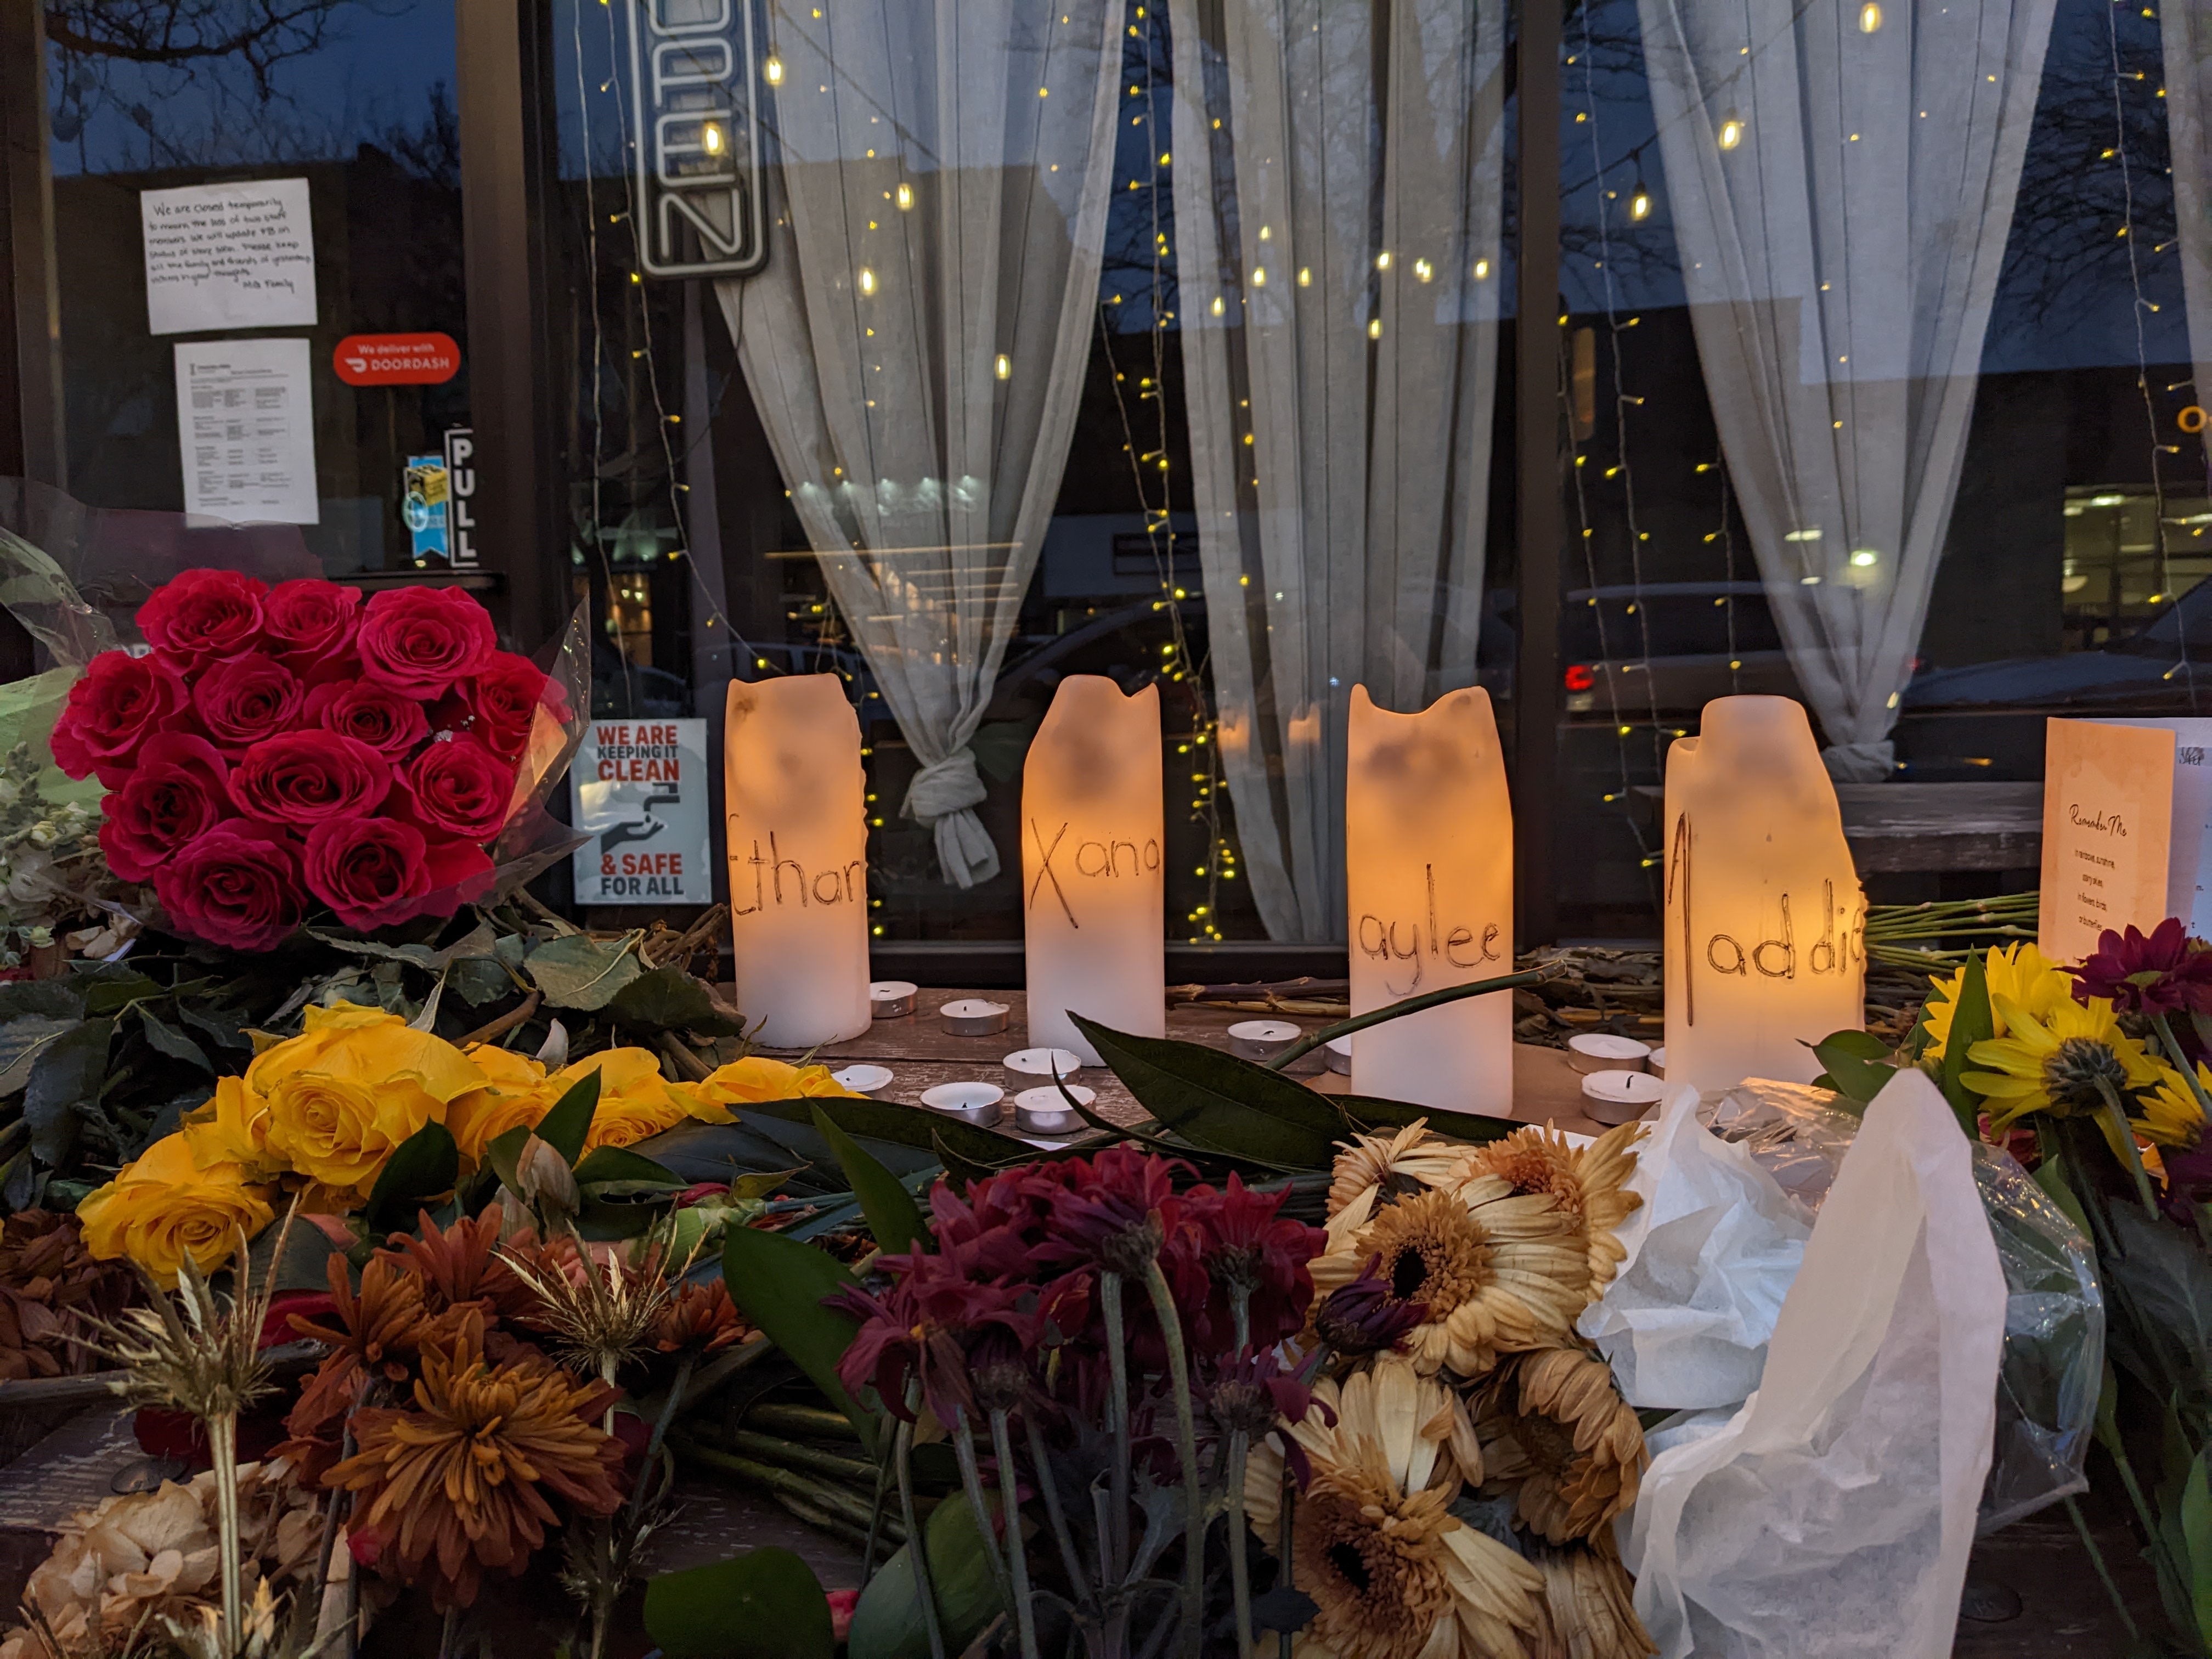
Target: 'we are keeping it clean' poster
x,y
640,792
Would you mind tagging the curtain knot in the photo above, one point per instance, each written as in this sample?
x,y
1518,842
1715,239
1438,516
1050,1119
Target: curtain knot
x,y
942,798
1861,762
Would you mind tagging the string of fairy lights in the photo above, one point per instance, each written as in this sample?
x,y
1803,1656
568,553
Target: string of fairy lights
x,y
1150,469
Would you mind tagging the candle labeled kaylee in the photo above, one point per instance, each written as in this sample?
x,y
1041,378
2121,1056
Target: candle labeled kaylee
x,y
1766,941
1094,893
1428,851
797,852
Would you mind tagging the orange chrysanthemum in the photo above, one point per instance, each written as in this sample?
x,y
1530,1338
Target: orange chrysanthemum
x,y
701,1319
461,1265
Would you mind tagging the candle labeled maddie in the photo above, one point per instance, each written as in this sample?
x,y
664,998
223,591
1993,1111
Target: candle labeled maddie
x,y
1766,942
1094,895
1428,852
797,852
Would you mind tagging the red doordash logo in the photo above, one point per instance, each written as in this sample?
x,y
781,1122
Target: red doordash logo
x,y
396,359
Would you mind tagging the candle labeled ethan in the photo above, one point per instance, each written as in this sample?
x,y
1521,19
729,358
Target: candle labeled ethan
x,y
1766,940
1094,895
798,841
1428,840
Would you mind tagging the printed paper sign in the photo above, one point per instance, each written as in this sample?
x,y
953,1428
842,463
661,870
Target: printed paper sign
x,y
396,359
228,256
2107,831
2188,858
246,426
640,790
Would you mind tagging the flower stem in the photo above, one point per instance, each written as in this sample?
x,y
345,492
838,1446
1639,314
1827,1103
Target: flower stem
x,y
659,1434
902,1460
1314,1040
1070,1556
1117,1423
1193,1491
222,1444
2104,1572
1010,1505
971,1482
1240,1572
875,1522
2117,1116
1284,1576
1240,1310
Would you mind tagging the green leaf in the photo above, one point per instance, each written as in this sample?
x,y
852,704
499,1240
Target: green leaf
x,y
778,1284
887,1622
23,1039
621,1163
56,999
2196,1535
565,1127
424,1166
479,979
894,1218
1367,1114
167,1040
1858,1064
477,942
65,1077
577,971
764,1604
1974,1022
670,1000
1220,1103
905,1125
503,1152
113,990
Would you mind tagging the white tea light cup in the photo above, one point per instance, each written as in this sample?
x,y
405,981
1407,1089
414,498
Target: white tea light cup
x,y
974,1017
1600,1051
1046,1111
1043,1062
863,1079
1338,1050
1658,1064
1620,1096
972,1102
1262,1039
888,999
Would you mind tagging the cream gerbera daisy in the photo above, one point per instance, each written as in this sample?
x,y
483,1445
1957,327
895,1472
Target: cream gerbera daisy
x,y
1556,1432
1394,1574
1374,1168
1493,1270
1589,1610
1588,1182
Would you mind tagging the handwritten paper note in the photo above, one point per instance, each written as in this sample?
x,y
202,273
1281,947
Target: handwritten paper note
x,y
2107,831
228,256
246,425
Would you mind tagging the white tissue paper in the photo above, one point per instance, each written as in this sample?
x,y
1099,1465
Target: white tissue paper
x,y
1834,1514
1711,1254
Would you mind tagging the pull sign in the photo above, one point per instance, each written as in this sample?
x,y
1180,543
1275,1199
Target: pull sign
x,y
695,88
396,359
461,498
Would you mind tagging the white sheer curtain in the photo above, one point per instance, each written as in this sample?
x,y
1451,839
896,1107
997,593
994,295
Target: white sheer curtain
x,y
917,344
1842,177
2185,31
1338,175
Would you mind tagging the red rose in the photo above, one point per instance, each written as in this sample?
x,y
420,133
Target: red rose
x,y
370,871
307,622
459,789
391,722
505,697
244,699
421,639
203,614
309,777
237,886
176,794
460,873
120,702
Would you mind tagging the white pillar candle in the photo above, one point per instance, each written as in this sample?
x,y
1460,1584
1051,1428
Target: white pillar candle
x,y
1428,833
1766,941
797,846
1094,893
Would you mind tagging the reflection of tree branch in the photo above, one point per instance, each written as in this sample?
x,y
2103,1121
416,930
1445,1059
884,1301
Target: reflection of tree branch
x,y
260,32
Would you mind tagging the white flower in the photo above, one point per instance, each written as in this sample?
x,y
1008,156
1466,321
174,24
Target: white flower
x,y
43,834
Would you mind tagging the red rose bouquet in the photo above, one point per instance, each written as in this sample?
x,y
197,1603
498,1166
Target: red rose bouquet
x,y
280,747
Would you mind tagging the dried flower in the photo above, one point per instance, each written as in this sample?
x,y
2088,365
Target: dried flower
x,y
600,1309
47,1280
1376,1169
1589,1183
1554,1423
1588,1603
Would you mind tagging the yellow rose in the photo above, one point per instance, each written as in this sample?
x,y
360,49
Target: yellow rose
x,y
757,1078
163,1207
516,1092
232,1127
366,1044
634,1100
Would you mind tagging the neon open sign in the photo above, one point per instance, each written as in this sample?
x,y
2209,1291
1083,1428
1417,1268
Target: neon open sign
x,y
694,89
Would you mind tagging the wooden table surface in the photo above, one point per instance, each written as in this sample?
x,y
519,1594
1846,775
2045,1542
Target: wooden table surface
x,y
922,1053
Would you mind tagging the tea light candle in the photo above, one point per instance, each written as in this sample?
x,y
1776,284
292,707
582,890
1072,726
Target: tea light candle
x,y
1043,1112
797,848
1043,1062
1094,892
1656,1064
974,1017
1766,940
1338,1050
972,1102
888,999
864,1079
1620,1096
1599,1051
1262,1039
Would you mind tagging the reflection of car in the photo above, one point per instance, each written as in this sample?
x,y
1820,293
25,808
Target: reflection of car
x,y
2161,669
1705,640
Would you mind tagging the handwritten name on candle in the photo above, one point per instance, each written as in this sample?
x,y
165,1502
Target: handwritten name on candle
x,y
1089,860
849,885
1378,941
1775,955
